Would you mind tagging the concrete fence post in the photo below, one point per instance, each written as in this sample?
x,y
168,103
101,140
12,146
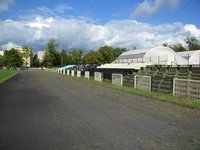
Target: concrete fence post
x,y
72,73
98,76
135,81
68,72
87,74
117,79
174,84
79,73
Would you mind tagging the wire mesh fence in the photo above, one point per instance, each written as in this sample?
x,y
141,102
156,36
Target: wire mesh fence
x,y
186,88
98,76
142,82
128,80
117,79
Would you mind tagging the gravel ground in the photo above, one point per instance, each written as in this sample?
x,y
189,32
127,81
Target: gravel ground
x,y
46,111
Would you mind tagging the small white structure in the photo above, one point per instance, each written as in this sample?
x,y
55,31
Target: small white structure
x,y
68,72
40,55
87,74
72,73
98,76
117,79
78,73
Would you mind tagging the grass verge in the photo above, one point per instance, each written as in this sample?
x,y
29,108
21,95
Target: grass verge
x,y
194,104
7,74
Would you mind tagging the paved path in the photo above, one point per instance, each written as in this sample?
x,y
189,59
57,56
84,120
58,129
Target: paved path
x,y
46,111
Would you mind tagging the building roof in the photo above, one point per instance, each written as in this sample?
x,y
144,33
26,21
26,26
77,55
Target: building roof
x,y
186,53
135,66
158,55
66,67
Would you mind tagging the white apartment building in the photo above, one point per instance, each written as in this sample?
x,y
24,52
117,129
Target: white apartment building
x,y
40,55
1,53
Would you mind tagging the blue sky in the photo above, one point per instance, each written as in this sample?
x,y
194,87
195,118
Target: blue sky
x,y
90,24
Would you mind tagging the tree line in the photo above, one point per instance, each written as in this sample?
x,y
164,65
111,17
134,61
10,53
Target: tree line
x,y
54,57
14,58
192,43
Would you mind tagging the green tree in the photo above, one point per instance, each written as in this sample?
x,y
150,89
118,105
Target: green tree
x,y
77,55
109,54
26,51
1,61
63,58
13,58
36,61
165,44
93,57
176,47
118,51
193,43
31,57
69,58
51,56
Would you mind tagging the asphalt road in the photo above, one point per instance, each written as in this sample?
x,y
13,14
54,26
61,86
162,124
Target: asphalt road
x,y
46,111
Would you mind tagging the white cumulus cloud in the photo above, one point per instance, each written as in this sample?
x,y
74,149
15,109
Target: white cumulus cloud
x,y
10,45
78,33
5,4
149,8
193,29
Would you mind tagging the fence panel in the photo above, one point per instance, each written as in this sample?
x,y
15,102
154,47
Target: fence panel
x,y
128,80
117,79
98,76
87,74
186,88
142,82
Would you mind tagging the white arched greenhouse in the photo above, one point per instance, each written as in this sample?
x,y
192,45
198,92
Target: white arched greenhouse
x,y
193,57
155,56
135,59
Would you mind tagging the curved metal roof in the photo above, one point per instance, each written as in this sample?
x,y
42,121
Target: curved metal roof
x,y
157,55
66,67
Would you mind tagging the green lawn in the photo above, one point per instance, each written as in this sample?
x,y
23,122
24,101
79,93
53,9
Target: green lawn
x,y
7,74
194,104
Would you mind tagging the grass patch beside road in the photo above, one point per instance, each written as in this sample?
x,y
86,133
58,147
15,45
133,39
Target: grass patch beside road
x,y
7,74
194,104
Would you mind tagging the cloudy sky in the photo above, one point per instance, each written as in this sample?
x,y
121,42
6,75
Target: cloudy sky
x,y
89,24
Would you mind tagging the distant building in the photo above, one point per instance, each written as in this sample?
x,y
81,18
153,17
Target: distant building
x,y
28,59
1,53
21,51
40,55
